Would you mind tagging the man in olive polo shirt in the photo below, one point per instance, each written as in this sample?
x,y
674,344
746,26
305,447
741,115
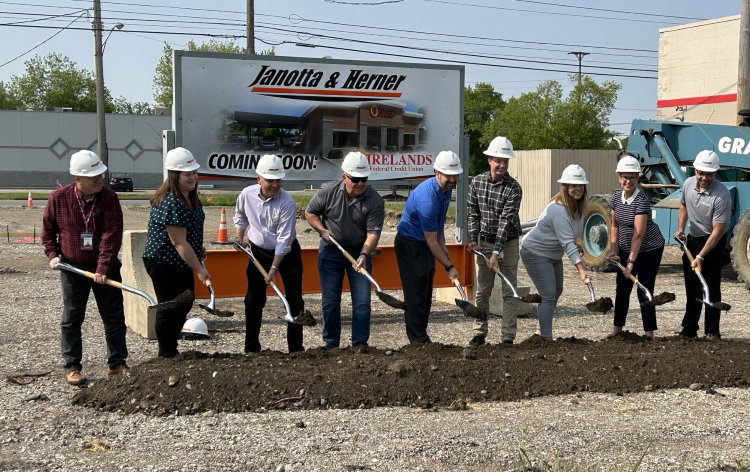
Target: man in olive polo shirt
x,y
353,214
707,204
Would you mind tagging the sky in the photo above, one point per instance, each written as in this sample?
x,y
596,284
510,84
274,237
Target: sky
x,y
500,42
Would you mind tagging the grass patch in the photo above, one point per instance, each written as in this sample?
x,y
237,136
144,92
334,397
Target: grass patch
x,y
219,199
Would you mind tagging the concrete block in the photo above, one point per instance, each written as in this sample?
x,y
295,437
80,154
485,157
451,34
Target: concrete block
x,y
134,274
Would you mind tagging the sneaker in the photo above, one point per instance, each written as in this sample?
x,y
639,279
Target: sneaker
x,y
507,341
119,369
477,340
75,377
713,336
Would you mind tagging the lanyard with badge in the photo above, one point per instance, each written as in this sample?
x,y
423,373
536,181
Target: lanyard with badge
x,y
87,238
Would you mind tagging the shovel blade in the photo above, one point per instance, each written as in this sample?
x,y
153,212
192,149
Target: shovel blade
x,y
471,311
182,299
602,305
391,301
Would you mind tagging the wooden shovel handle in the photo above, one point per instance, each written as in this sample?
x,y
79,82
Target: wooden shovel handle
x,y
456,282
113,283
691,259
263,271
349,257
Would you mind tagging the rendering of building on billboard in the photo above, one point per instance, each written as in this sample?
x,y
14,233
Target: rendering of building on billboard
x,y
232,109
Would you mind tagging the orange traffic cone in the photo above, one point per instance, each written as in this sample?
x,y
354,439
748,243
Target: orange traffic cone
x,y
222,237
30,202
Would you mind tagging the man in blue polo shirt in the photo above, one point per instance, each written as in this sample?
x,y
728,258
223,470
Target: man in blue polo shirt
x,y
421,240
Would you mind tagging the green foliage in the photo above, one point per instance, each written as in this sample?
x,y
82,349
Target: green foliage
x,y
545,120
55,81
482,105
124,106
8,100
163,86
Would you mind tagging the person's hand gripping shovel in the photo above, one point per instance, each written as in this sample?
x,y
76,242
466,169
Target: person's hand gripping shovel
x,y
660,299
184,298
706,296
389,300
305,318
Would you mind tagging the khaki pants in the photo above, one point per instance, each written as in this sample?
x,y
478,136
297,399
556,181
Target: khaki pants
x,y
486,282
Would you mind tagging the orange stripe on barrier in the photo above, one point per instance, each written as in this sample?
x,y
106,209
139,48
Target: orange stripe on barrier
x,y
227,269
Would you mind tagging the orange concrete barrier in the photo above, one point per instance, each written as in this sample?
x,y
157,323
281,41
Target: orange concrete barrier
x,y
227,268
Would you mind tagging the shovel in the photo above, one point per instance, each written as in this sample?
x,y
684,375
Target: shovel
x,y
182,299
468,309
505,279
706,297
601,305
665,297
211,307
389,300
305,319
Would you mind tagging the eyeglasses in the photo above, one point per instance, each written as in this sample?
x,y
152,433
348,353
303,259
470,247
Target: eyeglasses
x,y
629,178
356,180
704,174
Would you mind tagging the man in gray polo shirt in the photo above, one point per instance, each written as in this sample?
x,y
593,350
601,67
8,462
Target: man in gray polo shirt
x,y
706,203
353,214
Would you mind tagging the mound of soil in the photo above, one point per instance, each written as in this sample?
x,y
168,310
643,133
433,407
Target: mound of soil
x,y
425,376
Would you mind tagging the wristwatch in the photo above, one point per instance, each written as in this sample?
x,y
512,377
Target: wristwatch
x,y
448,268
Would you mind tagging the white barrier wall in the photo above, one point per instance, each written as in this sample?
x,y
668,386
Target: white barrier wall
x,y
35,146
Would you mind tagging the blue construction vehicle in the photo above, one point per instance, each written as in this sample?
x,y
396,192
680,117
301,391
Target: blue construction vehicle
x,y
666,150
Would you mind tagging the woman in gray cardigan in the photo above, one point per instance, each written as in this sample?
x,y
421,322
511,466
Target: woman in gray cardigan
x,y
554,234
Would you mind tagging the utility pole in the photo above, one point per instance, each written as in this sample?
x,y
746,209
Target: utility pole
x,y
101,131
251,26
580,55
743,76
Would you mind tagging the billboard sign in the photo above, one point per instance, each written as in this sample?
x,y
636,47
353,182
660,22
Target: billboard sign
x,y
232,109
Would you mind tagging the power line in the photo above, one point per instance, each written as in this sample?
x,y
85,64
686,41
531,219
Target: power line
x,y
639,20
228,36
461,53
639,13
462,62
61,30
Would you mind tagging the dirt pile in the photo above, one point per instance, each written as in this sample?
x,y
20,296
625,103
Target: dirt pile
x,y
424,376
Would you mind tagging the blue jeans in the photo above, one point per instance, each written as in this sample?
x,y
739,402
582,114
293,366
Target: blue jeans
x,y
331,267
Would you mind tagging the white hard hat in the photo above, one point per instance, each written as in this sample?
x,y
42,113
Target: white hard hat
x,y
180,159
447,162
86,164
628,164
195,328
500,147
356,164
270,167
573,174
706,161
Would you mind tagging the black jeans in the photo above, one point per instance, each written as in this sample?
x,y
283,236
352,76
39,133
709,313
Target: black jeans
x,y
711,271
75,290
645,268
416,266
169,282
290,271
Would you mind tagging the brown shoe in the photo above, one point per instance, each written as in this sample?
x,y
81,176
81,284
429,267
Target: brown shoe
x,y
75,377
119,369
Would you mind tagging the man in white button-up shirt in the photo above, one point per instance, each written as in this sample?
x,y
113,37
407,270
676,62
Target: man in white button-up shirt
x,y
268,213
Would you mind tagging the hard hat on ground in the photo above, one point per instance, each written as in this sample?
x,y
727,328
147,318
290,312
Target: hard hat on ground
x,y
500,147
195,328
628,164
706,161
86,164
573,174
270,167
447,162
356,164
180,159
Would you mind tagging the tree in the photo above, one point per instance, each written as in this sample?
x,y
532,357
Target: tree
x,y
124,106
545,120
163,86
55,81
482,104
8,100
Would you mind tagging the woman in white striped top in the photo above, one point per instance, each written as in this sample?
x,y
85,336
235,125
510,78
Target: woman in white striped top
x,y
636,240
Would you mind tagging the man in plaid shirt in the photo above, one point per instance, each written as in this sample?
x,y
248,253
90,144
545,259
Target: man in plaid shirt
x,y
82,226
494,227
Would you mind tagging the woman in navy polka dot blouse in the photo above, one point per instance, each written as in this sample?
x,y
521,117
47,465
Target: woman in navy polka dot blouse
x,y
174,244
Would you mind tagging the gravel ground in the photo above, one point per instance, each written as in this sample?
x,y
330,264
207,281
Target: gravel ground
x,y
672,429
